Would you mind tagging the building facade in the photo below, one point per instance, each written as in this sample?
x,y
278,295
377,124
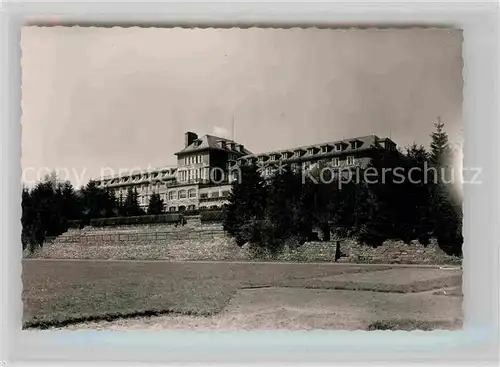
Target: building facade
x,y
207,165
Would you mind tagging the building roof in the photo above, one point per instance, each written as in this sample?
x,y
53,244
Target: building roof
x,y
210,142
367,142
140,172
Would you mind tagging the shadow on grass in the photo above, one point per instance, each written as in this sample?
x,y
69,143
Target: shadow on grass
x,y
54,323
411,325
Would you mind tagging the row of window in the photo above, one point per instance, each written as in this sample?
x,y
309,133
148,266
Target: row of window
x,y
193,159
182,208
183,194
172,195
307,165
335,163
192,174
214,194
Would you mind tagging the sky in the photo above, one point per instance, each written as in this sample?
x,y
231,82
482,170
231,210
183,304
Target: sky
x,y
104,100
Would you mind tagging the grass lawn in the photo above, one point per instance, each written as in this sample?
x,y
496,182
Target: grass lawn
x,y
60,292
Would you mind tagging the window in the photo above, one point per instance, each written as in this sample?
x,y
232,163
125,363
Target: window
x,y
215,194
182,208
310,151
182,194
296,154
192,193
172,209
234,175
191,207
171,195
338,147
306,165
204,195
350,160
225,194
335,162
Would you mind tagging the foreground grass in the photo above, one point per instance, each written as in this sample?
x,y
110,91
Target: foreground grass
x,y
56,293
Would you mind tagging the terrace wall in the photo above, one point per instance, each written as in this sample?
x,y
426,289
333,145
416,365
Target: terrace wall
x,y
148,242
391,252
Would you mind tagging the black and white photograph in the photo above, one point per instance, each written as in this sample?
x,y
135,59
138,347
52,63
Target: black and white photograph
x,y
237,179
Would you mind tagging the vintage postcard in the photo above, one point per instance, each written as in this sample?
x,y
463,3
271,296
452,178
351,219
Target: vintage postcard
x,y
241,179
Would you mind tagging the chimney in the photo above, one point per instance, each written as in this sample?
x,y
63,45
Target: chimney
x,y
242,148
189,137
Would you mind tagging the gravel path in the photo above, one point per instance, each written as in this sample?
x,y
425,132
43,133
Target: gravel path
x,y
304,309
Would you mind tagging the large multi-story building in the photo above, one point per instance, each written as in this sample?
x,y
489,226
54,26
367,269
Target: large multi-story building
x,y
200,180
205,168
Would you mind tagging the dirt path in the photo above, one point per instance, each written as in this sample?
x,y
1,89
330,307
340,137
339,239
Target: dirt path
x,y
304,309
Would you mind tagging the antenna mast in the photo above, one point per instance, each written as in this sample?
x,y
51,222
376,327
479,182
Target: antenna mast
x,y
232,129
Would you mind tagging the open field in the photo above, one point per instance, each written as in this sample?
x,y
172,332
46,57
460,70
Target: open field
x,y
217,295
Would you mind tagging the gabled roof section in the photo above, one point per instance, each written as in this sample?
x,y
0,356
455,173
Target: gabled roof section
x,y
212,142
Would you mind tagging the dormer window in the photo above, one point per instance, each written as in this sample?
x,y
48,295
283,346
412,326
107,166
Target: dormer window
x,y
355,144
261,158
389,145
324,149
296,154
223,144
196,143
310,151
338,147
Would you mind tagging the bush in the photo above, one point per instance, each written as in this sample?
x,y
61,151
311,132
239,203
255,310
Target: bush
x,y
75,224
143,219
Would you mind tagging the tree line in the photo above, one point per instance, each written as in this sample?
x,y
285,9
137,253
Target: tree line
x,y
51,205
288,207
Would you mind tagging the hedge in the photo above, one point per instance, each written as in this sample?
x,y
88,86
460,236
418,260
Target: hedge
x,y
190,212
212,216
143,219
